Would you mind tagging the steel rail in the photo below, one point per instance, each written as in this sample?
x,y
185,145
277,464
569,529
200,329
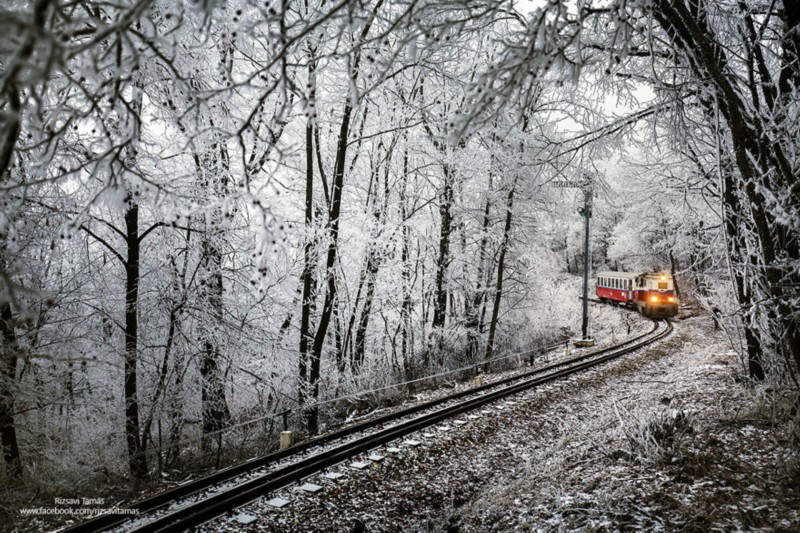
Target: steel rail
x,y
218,504
152,503
214,505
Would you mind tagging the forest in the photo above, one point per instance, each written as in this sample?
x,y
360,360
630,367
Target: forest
x,y
223,218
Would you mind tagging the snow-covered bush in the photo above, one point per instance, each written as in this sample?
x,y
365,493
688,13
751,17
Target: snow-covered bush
x,y
653,437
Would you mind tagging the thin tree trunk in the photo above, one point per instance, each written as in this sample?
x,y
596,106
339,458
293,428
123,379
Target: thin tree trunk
x,y
338,338
373,260
405,259
473,322
312,415
446,220
161,385
371,272
498,292
673,268
308,266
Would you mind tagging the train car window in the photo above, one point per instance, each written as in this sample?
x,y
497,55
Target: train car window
x,y
662,285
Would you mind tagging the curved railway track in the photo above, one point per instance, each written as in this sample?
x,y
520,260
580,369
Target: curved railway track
x,y
198,501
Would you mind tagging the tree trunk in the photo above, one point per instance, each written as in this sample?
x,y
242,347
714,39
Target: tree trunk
x,y
673,268
371,272
173,329
760,162
446,220
374,254
137,460
475,308
10,123
8,377
312,415
498,292
308,268
406,343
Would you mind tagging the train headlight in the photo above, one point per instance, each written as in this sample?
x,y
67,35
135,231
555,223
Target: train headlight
x,y
663,277
654,299
671,299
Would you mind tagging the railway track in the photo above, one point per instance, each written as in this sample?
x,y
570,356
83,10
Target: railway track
x,y
193,503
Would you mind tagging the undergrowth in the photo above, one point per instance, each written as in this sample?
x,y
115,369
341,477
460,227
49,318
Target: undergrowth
x,y
653,437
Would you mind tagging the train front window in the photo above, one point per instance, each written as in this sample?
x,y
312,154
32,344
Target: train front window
x,y
662,285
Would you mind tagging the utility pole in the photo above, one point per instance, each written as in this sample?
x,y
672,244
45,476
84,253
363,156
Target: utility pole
x,y
586,185
587,263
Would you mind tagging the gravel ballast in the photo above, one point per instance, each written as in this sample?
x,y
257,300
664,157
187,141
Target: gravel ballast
x,y
667,438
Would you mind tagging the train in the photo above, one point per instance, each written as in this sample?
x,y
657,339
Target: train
x,y
650,293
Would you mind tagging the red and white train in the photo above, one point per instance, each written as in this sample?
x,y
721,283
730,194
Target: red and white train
x,y
650,293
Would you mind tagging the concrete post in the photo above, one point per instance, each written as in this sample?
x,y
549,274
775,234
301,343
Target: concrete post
x,y
287,439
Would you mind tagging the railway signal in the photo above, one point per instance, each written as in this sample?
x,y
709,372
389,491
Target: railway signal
x,y
586,185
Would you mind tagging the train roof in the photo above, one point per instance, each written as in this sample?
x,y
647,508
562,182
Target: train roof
x,y
630,275
624,275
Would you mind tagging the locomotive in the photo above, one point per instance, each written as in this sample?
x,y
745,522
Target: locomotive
x,y
650,293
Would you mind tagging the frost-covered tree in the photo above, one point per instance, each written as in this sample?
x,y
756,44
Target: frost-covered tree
x,y
725,78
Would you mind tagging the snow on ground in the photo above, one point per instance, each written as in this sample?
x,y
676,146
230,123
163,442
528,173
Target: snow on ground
x,y
666,442
664,439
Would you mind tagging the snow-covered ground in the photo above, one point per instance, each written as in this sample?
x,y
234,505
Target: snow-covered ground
x,y
667,438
